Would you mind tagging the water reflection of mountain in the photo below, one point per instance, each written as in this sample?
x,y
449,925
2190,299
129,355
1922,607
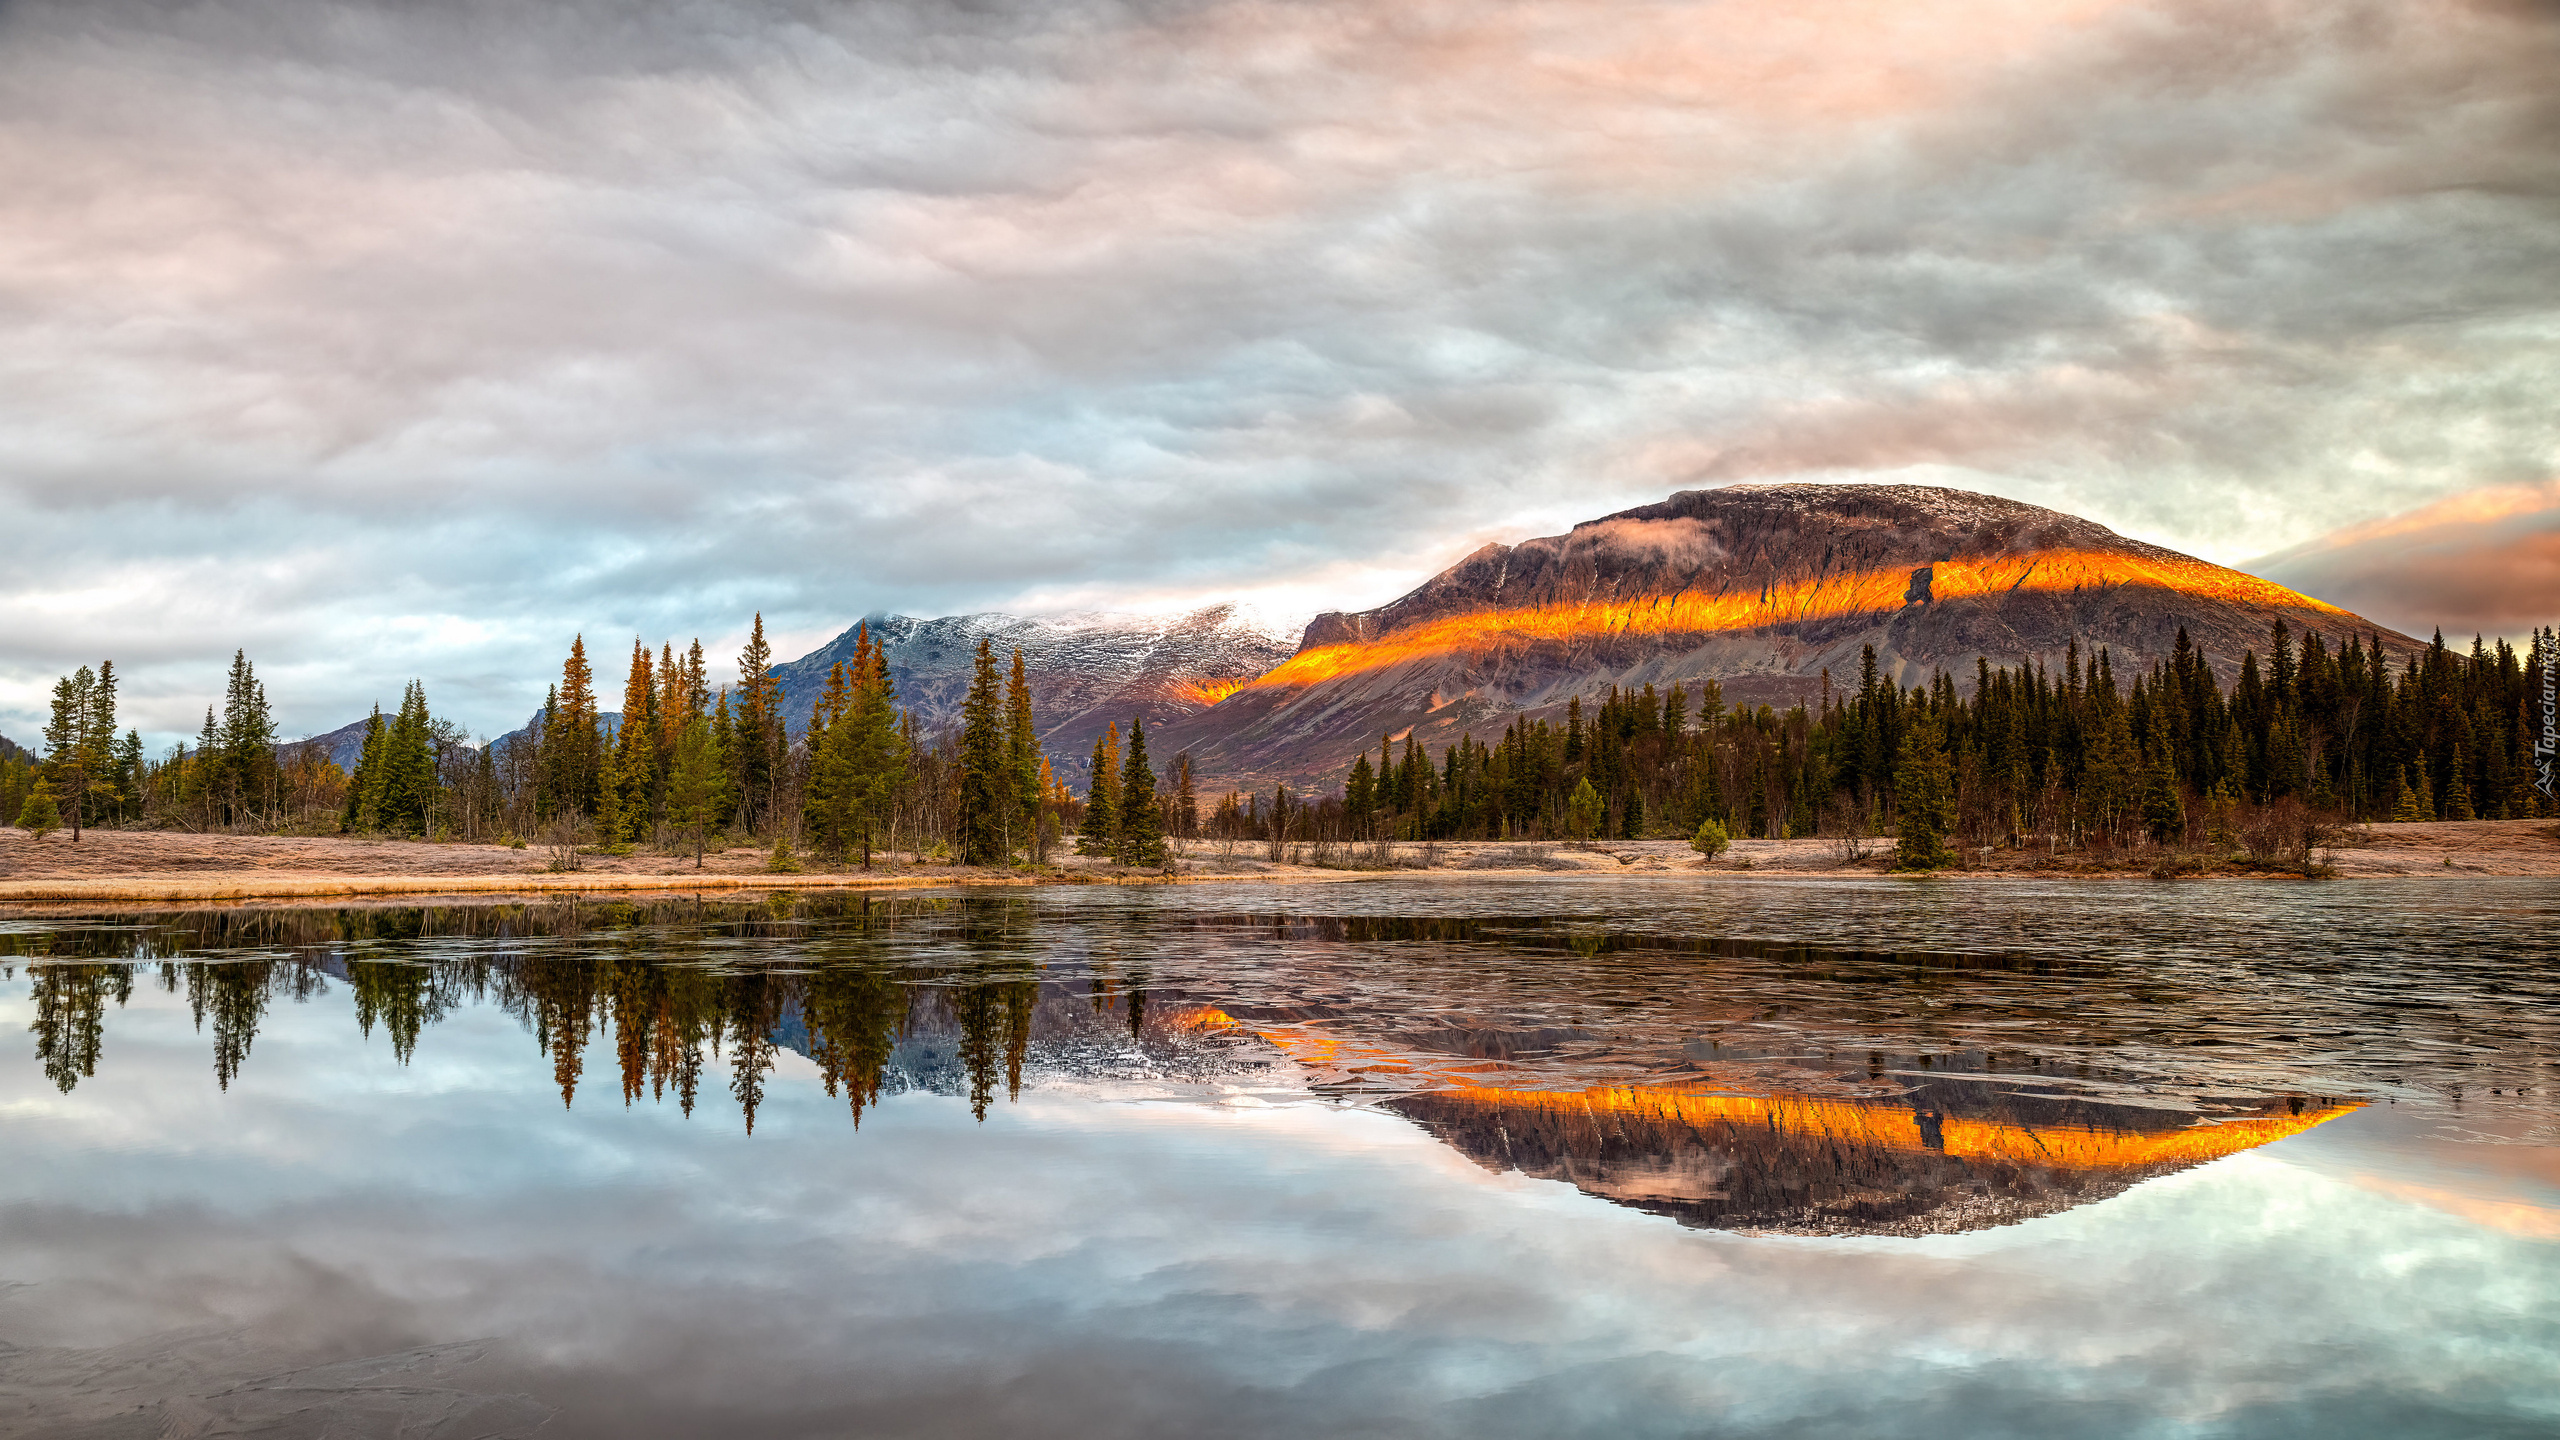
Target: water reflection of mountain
x,y
893,995
1947,1157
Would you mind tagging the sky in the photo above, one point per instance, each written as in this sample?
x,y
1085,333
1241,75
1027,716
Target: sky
x,y
389,340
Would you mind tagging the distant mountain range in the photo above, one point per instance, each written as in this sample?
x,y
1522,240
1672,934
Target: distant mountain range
x,y
1085,671
1765,589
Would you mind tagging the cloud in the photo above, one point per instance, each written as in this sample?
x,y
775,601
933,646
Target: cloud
x,y
2482,563
412,339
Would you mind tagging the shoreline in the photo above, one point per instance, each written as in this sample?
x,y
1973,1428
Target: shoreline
x,y
156,867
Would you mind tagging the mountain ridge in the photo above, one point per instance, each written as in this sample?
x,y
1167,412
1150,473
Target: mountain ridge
x,y
1771,590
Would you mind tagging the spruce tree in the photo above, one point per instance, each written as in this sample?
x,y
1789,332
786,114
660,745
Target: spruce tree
x,y
985,774
1186,798
695,784
1101,796
39,816
361,814
1022,751
1924,799
1138,836
876,746
758,743
827,805
572,744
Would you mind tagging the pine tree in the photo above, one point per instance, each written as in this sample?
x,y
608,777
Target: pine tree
x,y
2457,789
1584,811
757,745
1186,798
572,744
1138,837
1022,750
247,767
986,776
39,816
636,765
876,745
828,803
696,784
1101,796
1924,799
79,739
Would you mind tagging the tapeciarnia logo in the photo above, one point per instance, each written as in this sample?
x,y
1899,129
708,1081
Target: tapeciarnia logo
x,y
2547,749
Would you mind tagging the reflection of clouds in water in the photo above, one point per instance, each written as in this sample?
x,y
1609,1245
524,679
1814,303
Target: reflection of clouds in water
x,y
1081,1267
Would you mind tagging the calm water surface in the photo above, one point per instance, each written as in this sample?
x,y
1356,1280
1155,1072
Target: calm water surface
x,y
1413,1157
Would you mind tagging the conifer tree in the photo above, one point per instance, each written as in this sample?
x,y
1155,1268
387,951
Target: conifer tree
x,y
79,739
758,744
2457,790
1138,837
39,816
1101,796
1186,798
1924,799
986,777
572,744
636,765
827,804
876,745
696,783
1022,751
247,768
1584,811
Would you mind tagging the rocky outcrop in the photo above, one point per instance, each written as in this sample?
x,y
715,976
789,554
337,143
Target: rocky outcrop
x,y
1770,590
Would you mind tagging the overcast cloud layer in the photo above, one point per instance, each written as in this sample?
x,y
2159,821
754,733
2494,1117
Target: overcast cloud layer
x,y
401,339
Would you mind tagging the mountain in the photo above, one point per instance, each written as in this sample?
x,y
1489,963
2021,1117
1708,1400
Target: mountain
x,y
1763,588
344,744
1085,671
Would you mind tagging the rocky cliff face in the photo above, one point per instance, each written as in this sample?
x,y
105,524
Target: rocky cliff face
x,y
1085,671
1763,588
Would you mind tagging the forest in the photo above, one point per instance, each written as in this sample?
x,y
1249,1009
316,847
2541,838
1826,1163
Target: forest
x,y
2082,758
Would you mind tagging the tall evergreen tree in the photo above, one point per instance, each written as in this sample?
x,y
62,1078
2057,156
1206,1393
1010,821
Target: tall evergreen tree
x,y
758,747
1138,838
1022,751
572,743
697,784
1101,796
1924,791
986,776
876,743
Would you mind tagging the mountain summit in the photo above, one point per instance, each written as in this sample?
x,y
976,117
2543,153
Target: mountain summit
x,y
1764,588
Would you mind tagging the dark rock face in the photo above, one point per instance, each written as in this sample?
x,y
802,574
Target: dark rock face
x,y
1761,588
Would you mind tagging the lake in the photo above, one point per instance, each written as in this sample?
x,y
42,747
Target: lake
x,y
1409,1157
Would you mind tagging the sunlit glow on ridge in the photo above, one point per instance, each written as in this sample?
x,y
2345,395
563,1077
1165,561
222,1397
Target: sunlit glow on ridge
x,y
1866,592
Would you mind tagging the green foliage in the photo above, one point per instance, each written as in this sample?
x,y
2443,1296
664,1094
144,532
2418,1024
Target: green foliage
x,y
39,816
697,784
782,861
1711,839
1138,837
1102,797
1584,811
1924,788
987,809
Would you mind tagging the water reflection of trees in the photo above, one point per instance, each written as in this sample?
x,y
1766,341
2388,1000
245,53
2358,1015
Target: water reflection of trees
x,y
660,982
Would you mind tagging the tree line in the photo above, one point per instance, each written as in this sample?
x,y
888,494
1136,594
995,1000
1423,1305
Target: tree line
x,y
2085,757
2081,758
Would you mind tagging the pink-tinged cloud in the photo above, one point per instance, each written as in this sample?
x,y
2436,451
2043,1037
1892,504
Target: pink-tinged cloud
x,y
2486,562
